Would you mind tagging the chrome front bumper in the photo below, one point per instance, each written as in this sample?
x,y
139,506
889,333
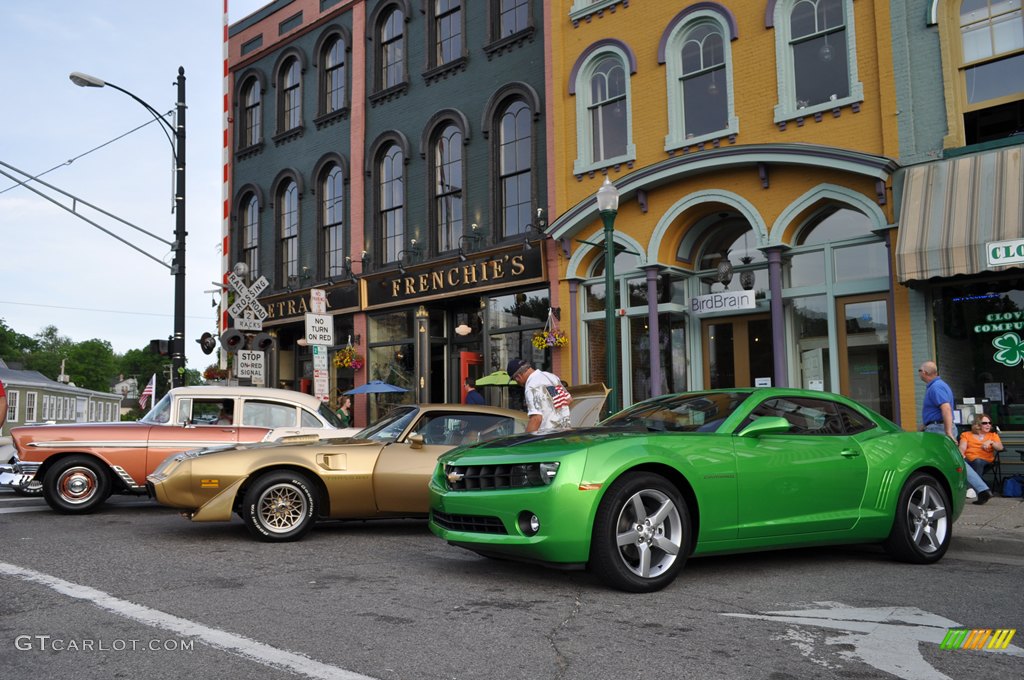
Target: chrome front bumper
x,y
19,475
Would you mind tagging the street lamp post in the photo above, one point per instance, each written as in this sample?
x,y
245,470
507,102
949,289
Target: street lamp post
x,y
177,348
608,206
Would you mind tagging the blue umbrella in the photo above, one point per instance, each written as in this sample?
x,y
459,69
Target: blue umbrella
x,y
376,387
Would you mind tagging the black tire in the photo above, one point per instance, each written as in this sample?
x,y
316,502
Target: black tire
x,y
922,528
641,534
279,506
76,485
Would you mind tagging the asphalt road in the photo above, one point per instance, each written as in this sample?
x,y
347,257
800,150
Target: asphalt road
x,y
135,591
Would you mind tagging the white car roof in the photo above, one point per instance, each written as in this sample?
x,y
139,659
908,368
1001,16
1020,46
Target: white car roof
x,y
229,392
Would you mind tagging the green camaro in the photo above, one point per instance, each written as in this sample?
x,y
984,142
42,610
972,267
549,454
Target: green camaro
x,y
702,473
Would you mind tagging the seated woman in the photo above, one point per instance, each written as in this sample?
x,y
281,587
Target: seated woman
x,y
979,446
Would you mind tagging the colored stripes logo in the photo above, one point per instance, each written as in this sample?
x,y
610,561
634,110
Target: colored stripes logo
x,y
978,638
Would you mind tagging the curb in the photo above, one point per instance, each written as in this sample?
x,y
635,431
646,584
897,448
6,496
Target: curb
x,y
992,545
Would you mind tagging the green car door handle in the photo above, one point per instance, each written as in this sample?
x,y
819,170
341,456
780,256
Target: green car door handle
x,y
849,453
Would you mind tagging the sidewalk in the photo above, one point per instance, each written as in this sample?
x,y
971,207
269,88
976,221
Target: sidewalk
x,y
996,527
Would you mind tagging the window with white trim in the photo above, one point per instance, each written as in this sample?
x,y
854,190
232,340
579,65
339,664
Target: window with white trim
x,y
12,406
603,112
992,68
31,399
816,57
699,80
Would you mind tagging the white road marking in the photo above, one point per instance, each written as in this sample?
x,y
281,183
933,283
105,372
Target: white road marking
x,y
876,640
236,644
11,511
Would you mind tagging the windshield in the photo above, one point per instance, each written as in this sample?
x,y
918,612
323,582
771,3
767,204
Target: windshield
x,y
388,429
161,413
693,412
330,416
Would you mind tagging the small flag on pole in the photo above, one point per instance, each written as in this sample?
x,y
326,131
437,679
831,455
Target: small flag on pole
x,y
148,392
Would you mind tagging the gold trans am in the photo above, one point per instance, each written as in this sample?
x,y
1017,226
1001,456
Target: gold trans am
x,y
280,489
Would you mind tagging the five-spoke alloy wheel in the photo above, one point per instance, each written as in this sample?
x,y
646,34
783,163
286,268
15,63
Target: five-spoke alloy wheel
x,y
922,528
641,534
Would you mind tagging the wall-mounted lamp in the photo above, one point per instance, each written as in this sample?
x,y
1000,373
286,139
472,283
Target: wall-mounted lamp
x,y
364,259
413,250
537,227
473,235
305,274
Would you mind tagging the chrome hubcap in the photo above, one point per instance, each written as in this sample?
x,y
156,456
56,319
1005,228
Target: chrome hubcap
x,y
77,485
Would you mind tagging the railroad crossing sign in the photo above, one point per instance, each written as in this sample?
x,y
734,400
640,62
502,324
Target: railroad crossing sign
x,y
247,312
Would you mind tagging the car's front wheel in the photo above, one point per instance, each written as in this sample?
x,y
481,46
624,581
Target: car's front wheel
x,y
279,506
641,534
922,527
76,485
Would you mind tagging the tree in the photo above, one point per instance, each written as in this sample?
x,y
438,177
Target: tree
x,y
91,364
13,345
52,348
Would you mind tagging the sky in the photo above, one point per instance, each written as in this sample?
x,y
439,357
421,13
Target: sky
x,y
56,269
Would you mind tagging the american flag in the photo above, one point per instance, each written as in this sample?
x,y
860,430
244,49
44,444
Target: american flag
x,y
150,391
561,397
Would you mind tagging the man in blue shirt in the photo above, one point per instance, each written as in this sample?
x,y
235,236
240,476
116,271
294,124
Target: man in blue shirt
x,y
472,396
937,417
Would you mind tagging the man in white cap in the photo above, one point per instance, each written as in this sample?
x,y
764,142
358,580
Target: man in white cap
x,y
547,401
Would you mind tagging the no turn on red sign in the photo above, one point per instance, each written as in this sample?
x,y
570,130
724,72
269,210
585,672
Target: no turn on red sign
x,y
319,329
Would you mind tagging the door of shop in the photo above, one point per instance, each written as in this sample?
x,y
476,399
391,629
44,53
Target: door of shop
x,y
737,350
864,367
470,366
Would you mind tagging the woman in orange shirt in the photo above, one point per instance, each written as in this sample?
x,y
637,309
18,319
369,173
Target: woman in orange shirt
x,y
979,446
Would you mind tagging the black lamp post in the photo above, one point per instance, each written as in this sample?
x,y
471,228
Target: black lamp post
x,y
177,348
608,207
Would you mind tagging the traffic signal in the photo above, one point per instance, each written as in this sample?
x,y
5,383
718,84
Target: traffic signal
x,y
207,343
161,347
232,340
262,341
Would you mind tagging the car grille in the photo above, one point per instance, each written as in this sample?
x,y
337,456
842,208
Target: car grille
x,y
491,477
477,524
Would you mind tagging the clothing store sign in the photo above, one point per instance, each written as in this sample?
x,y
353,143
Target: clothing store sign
x,y
726,301
1002,253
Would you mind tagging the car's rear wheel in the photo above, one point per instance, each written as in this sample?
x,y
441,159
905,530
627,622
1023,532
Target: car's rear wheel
x,y
922,527
279,506
641,534
76,485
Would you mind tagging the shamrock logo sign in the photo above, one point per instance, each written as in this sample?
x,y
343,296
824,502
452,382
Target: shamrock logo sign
x,y
1011,349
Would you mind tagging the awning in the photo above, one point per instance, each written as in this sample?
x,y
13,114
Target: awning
x,y
952,208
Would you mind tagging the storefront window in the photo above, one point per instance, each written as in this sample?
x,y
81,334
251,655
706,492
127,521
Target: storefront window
x,y
391,359
807,269
810,327
863,261
979,338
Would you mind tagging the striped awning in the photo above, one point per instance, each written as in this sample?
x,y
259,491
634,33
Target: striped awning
x,y
952,208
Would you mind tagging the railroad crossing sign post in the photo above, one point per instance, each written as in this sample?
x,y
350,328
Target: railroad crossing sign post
x,y
246,310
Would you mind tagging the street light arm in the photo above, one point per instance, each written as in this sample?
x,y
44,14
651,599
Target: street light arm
x,y
85,80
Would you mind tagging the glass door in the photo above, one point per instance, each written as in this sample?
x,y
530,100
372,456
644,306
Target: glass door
x,y
864,367
738,351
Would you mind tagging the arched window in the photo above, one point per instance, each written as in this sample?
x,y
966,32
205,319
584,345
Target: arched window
x,y
447,31
391,219
392,50
601,86
288,220
291,95
816,57
334,76
448,181
607,109
251,236
251,114
332,211
515,162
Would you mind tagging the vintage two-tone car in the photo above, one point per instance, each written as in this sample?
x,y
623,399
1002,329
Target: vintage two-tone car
x,y
81,465
280,489
703,473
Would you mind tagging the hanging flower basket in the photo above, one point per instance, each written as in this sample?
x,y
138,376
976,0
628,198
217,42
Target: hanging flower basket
x,y
348,357
550,338
551,335
214,372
